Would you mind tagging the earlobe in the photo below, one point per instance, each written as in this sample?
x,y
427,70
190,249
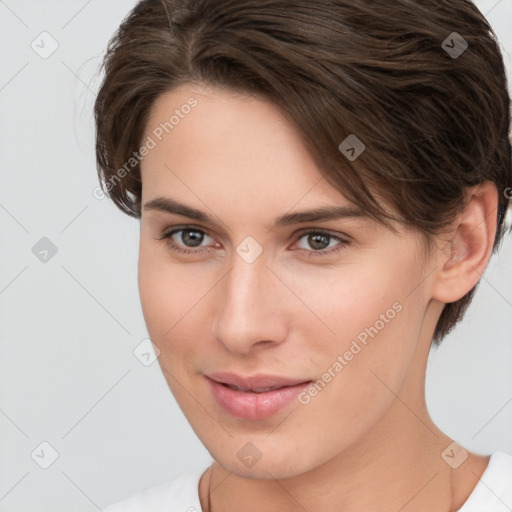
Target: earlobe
x,y
464,256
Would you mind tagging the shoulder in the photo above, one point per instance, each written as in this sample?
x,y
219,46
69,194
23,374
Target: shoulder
x,y
178,495
493,493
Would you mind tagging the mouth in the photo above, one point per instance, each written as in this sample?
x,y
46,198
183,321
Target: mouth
x,y
254,398
252,390
255,383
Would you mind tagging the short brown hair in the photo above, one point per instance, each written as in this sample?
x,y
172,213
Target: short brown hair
x,y
433,121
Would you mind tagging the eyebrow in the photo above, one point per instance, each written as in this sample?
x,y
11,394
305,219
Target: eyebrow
x,y
323,213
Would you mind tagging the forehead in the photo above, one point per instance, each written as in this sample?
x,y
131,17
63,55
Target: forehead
x,y
244,143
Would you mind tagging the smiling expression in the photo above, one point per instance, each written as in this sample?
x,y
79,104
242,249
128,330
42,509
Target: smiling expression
x,y
232,279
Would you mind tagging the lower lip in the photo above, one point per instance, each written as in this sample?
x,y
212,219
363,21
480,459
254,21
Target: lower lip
x,y
254,406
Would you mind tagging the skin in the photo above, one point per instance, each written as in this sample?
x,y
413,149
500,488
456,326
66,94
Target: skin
x,y
366,441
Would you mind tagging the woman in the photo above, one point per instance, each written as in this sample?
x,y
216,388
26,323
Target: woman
x,y
320,186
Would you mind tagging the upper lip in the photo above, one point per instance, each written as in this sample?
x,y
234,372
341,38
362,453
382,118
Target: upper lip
x,y
254,381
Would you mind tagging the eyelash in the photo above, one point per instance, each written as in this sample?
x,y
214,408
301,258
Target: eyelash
x,y
166,236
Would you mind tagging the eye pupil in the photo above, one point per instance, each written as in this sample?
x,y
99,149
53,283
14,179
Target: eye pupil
x,y
317,238
195,239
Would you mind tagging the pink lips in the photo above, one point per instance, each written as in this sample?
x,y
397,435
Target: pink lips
x,y
252,401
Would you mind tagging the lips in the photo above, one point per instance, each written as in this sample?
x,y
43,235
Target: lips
x,y
254,398
256,383
252,390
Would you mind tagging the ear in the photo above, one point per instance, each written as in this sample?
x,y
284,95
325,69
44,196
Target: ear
x,y
462,257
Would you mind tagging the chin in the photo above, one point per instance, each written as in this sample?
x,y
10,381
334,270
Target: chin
x,y
268,470
271,465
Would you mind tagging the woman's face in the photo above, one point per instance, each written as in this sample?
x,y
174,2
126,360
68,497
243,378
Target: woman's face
x,y
344,308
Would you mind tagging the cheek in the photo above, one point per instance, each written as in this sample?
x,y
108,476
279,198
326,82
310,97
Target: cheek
x,y
169,296
343,301
167,292
376,322
364,312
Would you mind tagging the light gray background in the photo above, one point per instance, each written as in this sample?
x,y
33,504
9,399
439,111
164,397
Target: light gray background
x,y
69,326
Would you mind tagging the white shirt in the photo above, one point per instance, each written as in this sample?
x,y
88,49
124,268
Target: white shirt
x,y
493,492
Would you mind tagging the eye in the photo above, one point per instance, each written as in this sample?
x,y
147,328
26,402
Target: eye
x,y
191,238
320,241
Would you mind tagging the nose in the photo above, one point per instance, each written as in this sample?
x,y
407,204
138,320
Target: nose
x,y
251,307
